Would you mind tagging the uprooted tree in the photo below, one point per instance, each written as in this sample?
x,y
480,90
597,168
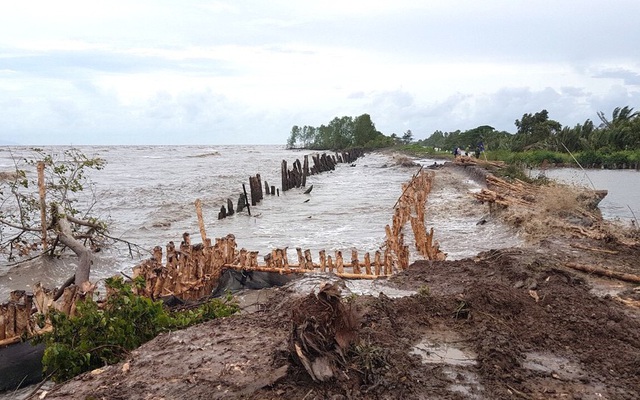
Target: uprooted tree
x,y
46,207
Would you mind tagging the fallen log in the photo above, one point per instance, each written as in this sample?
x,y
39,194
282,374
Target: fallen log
x,y
85,259
577,246
591,269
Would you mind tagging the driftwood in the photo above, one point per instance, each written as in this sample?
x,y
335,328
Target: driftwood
x,y
591,269
577,246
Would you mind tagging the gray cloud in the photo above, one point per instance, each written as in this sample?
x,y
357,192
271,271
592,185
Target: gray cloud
x,y
627,76
74,64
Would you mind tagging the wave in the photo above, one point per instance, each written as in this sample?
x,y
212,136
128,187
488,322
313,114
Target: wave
x,y
205,155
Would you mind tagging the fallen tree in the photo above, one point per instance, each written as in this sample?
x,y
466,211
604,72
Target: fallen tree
x,y
46,210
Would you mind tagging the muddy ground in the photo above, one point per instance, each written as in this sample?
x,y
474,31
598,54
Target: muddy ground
x,y
514,323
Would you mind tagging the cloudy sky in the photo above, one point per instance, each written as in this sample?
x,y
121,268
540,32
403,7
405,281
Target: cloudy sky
x,y
244,72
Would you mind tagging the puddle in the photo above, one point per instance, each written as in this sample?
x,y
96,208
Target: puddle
x,y
443,353
443,348
312,282
603,287
552,364
465,382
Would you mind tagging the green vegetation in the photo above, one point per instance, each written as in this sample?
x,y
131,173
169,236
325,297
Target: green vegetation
x,y
614,143
99,335
340,133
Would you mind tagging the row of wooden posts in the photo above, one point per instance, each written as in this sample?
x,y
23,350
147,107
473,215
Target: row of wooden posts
x,y
17,316
193,271
411,207
295,177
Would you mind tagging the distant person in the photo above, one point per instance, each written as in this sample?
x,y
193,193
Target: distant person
x,y
479,149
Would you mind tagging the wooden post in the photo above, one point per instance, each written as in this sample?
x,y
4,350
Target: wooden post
x,y
230,254
43,205
259,187
305,170
377,261
243,258
10,320
355,263
301,260
230,211
252,189
266,188
246,199
241,202
3,324
308,260
339,262
367,263
253,259
323,261
388,262
283,174
270,259
203,232
273,190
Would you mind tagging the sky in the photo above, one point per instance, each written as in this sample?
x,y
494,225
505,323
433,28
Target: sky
x,y
93,72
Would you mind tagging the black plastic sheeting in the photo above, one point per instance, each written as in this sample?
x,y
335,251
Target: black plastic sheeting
x,y
20,365
232,281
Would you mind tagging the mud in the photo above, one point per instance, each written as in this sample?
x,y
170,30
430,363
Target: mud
x,y
513,323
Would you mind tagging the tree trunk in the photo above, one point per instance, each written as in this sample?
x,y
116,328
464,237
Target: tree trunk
x,y
85,259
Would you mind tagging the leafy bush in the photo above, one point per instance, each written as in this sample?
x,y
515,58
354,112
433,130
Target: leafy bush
x,y
616,159
531,158
101,335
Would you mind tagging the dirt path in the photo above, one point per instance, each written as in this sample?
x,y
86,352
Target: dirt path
x,y
513,323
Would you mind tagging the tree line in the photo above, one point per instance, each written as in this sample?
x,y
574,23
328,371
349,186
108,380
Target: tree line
x,y
611,142
537,131
339,134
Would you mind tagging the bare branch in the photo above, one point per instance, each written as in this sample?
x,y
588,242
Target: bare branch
x,y
84,223
23,228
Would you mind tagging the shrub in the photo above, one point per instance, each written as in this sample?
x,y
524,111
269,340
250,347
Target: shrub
x,y
101,335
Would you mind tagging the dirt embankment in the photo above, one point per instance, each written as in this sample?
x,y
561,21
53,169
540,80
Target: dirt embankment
x,y
507,324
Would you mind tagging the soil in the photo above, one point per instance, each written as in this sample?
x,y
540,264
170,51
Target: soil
x,y
514,323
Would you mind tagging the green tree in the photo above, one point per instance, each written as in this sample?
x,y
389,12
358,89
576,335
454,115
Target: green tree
x,y
623,130
407,137
536,131
294,137
364,131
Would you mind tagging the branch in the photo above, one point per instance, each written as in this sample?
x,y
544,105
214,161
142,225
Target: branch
x,y
66,284
24,228
83,222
